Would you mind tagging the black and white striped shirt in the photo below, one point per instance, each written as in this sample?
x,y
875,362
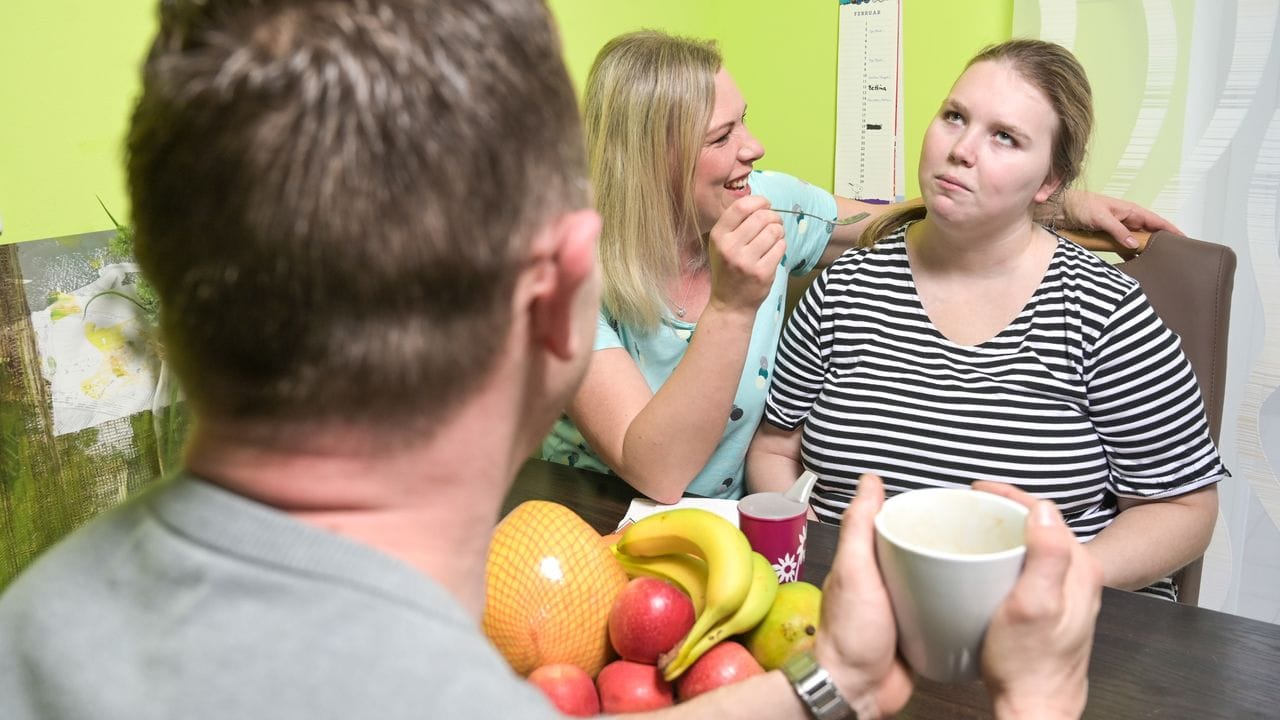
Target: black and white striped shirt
x,y
1084,397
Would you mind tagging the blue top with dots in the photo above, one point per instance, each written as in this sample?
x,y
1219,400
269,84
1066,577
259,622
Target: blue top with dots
x,y
658,353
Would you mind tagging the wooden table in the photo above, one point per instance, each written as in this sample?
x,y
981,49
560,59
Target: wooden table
x,y
1151,658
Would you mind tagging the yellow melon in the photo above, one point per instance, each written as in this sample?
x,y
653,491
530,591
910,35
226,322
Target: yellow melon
x,y
550,583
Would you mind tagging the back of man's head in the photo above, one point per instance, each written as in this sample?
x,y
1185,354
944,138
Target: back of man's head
x,y
333,197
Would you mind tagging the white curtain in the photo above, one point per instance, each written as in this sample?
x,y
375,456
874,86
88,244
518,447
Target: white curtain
x,y
1188,125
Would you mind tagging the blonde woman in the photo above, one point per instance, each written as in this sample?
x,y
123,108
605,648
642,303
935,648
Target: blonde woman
x,y
695,262
969,342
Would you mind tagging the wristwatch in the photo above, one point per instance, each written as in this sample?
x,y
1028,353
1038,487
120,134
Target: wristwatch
x,y
816,690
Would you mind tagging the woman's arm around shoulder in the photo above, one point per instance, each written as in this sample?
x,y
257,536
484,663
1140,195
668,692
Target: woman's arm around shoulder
x,y
1080,210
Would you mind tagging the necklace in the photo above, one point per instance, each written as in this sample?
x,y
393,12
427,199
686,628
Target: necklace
x,y
681,309
697,265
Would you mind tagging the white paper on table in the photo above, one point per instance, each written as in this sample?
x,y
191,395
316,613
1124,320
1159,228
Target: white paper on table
x,y
644,507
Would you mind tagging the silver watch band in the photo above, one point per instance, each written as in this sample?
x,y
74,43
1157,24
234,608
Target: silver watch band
x,y
816,690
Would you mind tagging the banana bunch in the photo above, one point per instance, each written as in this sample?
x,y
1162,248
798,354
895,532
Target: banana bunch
x,y
732,587
685,571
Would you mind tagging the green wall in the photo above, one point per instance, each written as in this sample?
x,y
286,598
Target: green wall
x,y
784,59
1118,40
68,74
939,37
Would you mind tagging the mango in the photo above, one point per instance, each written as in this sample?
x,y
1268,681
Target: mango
x,y
790,626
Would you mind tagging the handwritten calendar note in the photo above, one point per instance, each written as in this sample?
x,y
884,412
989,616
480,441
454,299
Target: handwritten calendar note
x,y
869,158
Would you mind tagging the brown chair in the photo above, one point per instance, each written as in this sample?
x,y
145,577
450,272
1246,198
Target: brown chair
x,y
1189,283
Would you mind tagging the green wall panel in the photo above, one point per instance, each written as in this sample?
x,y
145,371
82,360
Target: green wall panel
x,y
939,37
1119,39
783,56
68,76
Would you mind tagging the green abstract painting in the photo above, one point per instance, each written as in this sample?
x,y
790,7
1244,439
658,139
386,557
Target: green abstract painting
x,y
87,413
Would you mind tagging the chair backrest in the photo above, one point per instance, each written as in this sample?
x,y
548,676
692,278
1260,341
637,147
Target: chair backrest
x,y
1189,283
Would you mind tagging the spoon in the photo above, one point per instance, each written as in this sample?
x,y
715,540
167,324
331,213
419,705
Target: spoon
x,y
839,221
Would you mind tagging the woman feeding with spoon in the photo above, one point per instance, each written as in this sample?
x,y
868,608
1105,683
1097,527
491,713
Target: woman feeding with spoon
x,y
695,265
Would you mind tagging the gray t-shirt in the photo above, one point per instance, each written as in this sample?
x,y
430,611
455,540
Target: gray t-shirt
x,y
194,602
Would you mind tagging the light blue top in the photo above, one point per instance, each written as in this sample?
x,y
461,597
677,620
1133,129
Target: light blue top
x,y
658,353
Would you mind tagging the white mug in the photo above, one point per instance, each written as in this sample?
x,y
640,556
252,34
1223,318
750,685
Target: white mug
x,y
949,556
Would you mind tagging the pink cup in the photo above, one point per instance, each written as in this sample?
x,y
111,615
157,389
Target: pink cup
x,y
776,528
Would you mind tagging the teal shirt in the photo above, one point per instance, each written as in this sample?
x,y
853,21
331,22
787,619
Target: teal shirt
x,y
658,353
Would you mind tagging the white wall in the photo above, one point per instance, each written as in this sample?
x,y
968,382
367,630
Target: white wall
x,y
1188,124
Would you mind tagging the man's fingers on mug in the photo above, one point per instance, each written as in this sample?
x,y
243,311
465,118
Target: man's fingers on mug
x,y
1038,592
1005,490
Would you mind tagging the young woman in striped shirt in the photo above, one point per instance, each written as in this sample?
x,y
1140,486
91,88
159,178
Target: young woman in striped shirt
x,y
968,342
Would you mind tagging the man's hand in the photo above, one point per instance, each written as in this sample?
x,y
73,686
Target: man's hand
x,y
857,640
1035,659
1083,210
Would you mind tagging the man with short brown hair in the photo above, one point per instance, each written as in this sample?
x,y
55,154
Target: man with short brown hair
x,y
367,225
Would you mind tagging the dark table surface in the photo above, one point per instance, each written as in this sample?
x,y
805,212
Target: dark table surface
x,y
1151,658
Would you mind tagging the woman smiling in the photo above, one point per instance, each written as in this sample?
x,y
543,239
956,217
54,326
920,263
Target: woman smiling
x,y
695,263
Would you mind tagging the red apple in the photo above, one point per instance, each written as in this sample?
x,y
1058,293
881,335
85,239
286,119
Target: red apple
x,y
627,686
727,662
569,687
649,617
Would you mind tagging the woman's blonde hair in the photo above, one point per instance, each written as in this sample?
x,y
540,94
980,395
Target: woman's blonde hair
x,y
648,100
1056,72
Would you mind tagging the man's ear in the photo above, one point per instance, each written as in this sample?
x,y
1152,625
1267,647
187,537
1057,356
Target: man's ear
x,y
565,260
